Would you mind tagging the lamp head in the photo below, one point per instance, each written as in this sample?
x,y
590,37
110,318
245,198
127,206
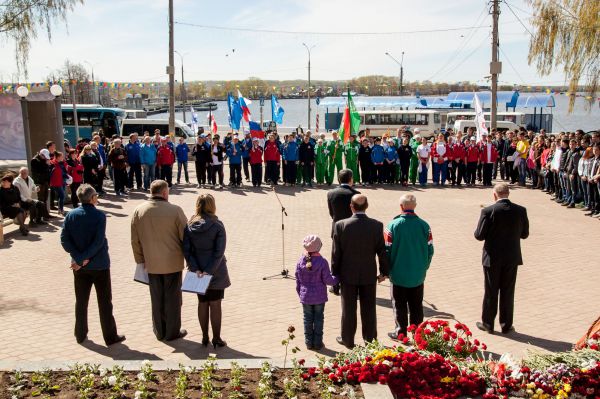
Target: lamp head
x,y
56,90
22,91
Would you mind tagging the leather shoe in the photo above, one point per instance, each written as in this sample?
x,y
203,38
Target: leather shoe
x,y
508,330
118,338
485,328
80,340
341,342
182,333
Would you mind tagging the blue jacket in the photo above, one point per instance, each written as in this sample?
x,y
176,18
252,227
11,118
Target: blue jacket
x,y
83,236
102,153
290,151
246,147
181,151
391,154
133,153
148,154
237,158
377,154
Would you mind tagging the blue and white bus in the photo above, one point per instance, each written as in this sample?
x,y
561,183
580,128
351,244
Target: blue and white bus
x,y
91,118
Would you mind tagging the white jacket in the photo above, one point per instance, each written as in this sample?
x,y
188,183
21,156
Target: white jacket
x,y
27,188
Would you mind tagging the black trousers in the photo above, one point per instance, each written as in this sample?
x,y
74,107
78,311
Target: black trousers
x,y
308,171
290,172
404,168
74,197
235,173
214,171
487,173
366,172
100,179
379,173
184,166
460,171
165,295
100,280
511,173
166,174
256,174
272,172
471,172
246,170
120,180
350,295
407,301
43,194
36,209
135,169
201,172
499,281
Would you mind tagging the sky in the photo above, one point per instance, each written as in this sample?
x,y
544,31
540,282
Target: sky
x,y
127,40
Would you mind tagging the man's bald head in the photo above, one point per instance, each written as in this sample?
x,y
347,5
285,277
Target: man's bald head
x,y
359,203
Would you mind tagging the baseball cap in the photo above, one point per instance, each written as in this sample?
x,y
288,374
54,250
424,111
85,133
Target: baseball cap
x,y
45,153
473,139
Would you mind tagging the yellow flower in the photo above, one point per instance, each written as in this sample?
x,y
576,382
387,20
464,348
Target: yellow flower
x,y
567,388
447,380
531,385
381,355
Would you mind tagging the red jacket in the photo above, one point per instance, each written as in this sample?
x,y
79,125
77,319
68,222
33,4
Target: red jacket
x,y
165,156
57,176
472,153
484,153
458,152
256,155
435,157
272,151
76,171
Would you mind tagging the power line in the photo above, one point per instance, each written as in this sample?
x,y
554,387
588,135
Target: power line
x,y
285,32
517,17
468,56
511,65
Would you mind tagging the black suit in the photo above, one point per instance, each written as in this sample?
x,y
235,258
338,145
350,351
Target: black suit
x,y
338,202
356,242
501,226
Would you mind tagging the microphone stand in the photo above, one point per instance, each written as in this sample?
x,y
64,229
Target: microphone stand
x,y
284,273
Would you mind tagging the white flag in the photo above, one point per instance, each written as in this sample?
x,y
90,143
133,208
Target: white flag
x,y
479,119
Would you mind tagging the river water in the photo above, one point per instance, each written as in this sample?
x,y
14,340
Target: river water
x,y
296,111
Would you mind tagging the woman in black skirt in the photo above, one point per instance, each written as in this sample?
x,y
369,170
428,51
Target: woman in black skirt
x,y
204,243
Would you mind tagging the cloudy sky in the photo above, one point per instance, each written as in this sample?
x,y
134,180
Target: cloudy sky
x,y
127,40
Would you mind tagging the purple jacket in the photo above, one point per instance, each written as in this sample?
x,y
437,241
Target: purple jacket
x,y
311,285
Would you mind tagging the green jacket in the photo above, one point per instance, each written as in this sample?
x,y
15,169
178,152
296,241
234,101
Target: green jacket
x,y
414,144
409,246
333,151
320,156
351,152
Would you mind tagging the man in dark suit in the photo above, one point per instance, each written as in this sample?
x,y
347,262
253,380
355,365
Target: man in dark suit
x,y
501,226
357,241
338,202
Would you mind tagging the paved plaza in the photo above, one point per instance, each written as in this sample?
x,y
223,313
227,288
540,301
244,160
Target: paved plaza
x,y
556,298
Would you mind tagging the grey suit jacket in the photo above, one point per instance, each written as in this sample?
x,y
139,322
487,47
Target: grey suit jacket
x,y
357,241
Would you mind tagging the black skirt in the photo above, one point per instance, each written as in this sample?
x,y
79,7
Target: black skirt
x,y
211,295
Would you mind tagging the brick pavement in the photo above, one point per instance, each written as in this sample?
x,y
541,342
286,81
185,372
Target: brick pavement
x,y
556,297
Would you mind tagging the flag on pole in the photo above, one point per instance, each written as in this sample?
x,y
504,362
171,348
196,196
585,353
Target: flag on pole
x,y
194,120
256,130
235,112
244,102
277,110
350,120
213,124
479,118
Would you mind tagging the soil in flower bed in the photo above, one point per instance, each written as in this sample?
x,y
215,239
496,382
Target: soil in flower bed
x,y
166,384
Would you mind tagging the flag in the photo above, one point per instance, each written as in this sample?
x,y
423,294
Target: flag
x,y
244,102
235,112
213,124
479,118
277,110
194,120
256,130
350,120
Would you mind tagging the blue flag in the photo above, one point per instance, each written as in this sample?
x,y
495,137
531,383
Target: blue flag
x,y
277,110
235,112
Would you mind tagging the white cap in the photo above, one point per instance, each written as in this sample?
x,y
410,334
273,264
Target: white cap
x,y
45,153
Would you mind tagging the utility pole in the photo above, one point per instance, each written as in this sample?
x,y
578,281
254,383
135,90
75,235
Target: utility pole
x,y
402,74
308,91
171,72
495,65
183,92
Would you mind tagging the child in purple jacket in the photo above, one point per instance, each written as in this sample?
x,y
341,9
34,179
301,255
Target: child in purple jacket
x,y
312,278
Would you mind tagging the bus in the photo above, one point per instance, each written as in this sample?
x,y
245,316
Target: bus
x,y
91,118
517,118
381,122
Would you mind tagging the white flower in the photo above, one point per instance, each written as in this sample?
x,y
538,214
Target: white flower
x,y
331,389
141,377
262,385
187,369
103,371
138,394
145,363
112,380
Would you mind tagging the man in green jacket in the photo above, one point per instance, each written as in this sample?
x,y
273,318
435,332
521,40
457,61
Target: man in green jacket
x,y
414,160
409,246
335,152
320,161
351,154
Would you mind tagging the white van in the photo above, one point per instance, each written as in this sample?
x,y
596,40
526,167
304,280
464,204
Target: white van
x,y
463,124
139,126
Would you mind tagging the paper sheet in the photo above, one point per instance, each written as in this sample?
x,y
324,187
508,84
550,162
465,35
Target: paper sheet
x,y
141,276
192,283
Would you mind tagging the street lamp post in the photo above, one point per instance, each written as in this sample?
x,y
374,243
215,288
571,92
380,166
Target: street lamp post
x,y
308,91
183,93
22,91
401,77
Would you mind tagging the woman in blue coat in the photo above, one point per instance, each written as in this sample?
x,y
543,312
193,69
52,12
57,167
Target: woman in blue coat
x,y
204,242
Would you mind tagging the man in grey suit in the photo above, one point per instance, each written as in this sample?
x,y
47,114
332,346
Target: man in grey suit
x,y
357,241
502,226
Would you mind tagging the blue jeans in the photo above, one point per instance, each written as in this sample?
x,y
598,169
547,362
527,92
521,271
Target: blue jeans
x,y
522,171
60,195
148,175
314,316
423,175
439,169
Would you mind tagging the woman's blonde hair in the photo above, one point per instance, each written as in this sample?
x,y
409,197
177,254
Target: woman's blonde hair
x,y
205,206
85,149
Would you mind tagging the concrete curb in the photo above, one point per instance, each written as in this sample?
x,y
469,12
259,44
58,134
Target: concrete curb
x,y
376,391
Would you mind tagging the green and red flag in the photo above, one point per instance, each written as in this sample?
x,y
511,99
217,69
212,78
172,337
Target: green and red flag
x,y
350,120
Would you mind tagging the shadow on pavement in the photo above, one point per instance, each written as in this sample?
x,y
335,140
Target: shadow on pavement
x,y
548,344
27,305
119,351
197,351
